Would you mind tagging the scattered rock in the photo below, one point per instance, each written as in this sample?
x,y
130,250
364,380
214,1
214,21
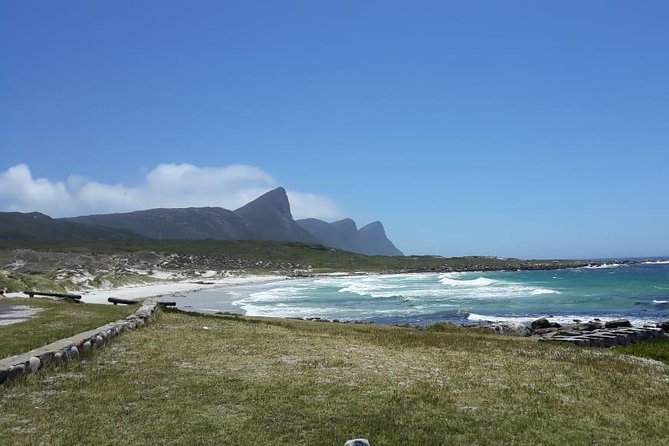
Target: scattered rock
x,y
545,331
543,323
45,358
290,360
34,364
540,323
664,325
508,328
618,323
74,351
569,333
3,376
357,442
16,371
588,326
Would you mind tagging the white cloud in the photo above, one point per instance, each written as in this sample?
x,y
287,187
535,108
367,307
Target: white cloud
x,y
167,185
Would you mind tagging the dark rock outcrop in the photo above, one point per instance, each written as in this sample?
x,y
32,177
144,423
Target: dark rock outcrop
x,y
540,323
588,326
618,323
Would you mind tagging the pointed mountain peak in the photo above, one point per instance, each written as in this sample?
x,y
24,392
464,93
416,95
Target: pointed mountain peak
x,y
276,199
375,226
375,241
269,216
278,192
346,224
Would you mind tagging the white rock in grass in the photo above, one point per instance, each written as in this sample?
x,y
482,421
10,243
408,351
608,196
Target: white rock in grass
x,y
74,351
205,328
99,341
86,346
34,364
357,442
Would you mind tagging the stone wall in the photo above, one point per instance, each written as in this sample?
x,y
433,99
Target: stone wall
x,y
70,348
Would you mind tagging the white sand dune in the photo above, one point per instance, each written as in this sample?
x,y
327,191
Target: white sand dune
x,y
142,291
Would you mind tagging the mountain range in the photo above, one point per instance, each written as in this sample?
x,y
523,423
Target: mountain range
x,y
268,217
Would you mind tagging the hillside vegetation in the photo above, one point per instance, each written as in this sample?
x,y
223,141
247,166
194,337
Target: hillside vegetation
x,y
284,253
66,265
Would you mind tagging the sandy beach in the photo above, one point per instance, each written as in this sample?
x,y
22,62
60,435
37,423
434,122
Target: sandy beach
x,y
172,290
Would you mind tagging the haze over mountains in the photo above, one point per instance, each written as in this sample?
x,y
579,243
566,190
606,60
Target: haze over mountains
x,y
266,218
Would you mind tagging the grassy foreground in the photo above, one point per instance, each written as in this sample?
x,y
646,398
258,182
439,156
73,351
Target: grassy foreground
x,y
274,382
57,320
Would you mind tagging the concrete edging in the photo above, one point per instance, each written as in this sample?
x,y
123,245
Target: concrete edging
x,y
68,349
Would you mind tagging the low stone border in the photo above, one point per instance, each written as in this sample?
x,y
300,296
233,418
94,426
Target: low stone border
x,y
70,348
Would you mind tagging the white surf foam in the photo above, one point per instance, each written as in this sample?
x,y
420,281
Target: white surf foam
x,y
568,319
656,262
540,291
605,266
277,294
478,282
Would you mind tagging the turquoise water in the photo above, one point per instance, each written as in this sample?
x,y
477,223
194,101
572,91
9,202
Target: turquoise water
x,y
639,292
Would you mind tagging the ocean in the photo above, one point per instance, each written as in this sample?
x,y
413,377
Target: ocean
x,y
639,292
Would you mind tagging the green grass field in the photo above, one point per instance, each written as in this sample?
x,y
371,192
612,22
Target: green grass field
x,y
250,381
57,320
657,350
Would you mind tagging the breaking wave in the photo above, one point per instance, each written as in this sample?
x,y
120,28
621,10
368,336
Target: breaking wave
x,y
447,279
540,291
462,297
604,266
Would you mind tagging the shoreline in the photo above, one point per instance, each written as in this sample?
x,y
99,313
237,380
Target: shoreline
x,y
223,302
143,291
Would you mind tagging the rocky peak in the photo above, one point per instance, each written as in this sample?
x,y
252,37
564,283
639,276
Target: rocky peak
x,y
344,234
269,216
345,225
275,201
375,226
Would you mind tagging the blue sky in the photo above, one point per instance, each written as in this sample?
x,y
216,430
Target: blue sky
x,y
515,128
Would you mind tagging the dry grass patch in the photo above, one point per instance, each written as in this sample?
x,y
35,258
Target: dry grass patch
x,y
247,381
